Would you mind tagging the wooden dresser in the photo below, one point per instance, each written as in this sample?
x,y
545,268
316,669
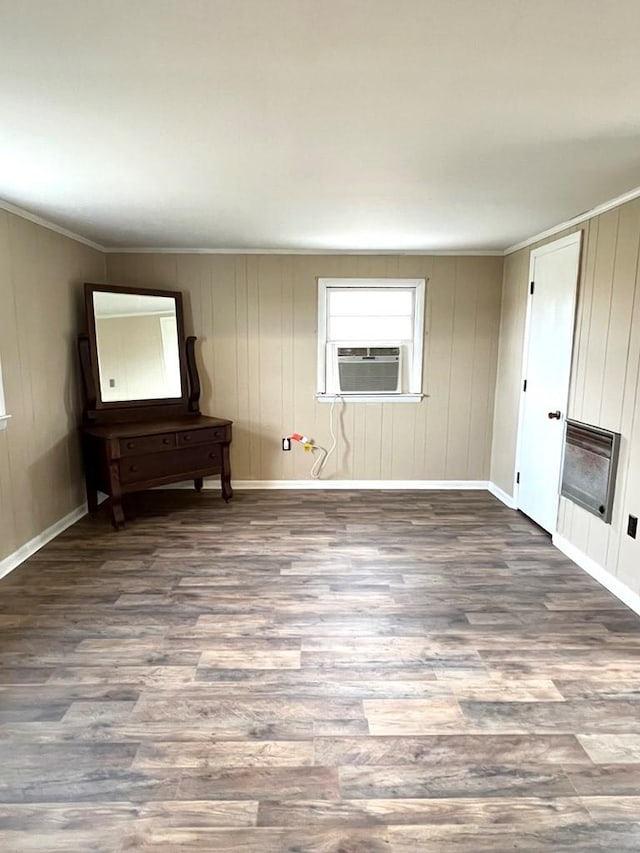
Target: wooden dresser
x,y
142,425
130,457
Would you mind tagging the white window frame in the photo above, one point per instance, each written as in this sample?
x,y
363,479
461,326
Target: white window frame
x,y
4,417
418,285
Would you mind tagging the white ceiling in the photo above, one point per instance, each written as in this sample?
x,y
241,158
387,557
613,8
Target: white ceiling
x,y
317,124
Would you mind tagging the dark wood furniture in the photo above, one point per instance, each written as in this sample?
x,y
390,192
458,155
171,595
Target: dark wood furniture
x,y
133,445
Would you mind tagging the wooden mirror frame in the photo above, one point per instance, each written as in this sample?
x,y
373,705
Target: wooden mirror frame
x,y
98,411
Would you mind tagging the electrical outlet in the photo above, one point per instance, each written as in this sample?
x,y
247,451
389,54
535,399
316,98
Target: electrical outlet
x,y
286,444
632,526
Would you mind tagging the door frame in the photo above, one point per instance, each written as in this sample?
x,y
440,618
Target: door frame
x,y
569,240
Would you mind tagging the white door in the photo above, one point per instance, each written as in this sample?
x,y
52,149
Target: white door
x,y
547,368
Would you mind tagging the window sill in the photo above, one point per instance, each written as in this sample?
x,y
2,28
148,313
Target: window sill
x,y
370,398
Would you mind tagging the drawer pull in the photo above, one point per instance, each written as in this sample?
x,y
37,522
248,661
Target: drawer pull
x,y
213,456
165,441
133,468
130,445
187,437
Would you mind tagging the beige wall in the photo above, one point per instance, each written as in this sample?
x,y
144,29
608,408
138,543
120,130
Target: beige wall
x,y
41,275
605,386
256,315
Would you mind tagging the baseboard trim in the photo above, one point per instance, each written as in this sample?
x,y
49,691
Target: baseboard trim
x,y
606,579
499,493
246,485
8,564
250,485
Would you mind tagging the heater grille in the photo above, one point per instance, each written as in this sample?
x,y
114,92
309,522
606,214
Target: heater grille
x,y
590,464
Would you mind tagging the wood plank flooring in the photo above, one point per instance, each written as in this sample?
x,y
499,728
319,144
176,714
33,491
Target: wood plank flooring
x,y
316,672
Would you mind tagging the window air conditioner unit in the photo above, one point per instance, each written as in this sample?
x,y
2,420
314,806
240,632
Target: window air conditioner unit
x,y
369,370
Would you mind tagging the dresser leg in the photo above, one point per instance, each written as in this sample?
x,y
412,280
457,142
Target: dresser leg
x,y
117,515
225,474
197,484
115,489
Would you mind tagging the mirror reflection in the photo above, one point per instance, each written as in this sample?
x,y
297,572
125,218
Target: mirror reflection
x,y
137,344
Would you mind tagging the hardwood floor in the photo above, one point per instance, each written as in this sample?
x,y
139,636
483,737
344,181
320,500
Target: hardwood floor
x,y
316,672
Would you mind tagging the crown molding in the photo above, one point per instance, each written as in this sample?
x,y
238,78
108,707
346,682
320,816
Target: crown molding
x,y
577,220
146,250
46,223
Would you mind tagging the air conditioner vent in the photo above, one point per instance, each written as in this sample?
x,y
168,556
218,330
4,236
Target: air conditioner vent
x,y
352,351
368,370
368,351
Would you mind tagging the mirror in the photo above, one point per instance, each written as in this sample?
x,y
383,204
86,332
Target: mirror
x,y
137,346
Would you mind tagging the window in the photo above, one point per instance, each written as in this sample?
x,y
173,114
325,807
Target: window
x,y
4,417
370,338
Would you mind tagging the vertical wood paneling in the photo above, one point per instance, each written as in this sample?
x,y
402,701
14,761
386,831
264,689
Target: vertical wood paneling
x,y
241,349
623,557
373,440
9,358
271,363
605,381
627,568
441,305
303,416
583,314
254,375
604,541
257,318
594,343
488,292
287,284
620,316
601,307
41,275
21,248
461,376
219,304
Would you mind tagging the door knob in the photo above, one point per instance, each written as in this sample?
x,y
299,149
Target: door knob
x,y
555,415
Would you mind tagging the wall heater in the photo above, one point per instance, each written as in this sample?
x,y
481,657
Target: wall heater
x,y
590,465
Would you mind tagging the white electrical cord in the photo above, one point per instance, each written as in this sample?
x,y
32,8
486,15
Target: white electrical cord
x,y
321,461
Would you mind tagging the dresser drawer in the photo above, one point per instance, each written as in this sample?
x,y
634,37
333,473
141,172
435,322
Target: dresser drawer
x,y
184,461
200,436
147,444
